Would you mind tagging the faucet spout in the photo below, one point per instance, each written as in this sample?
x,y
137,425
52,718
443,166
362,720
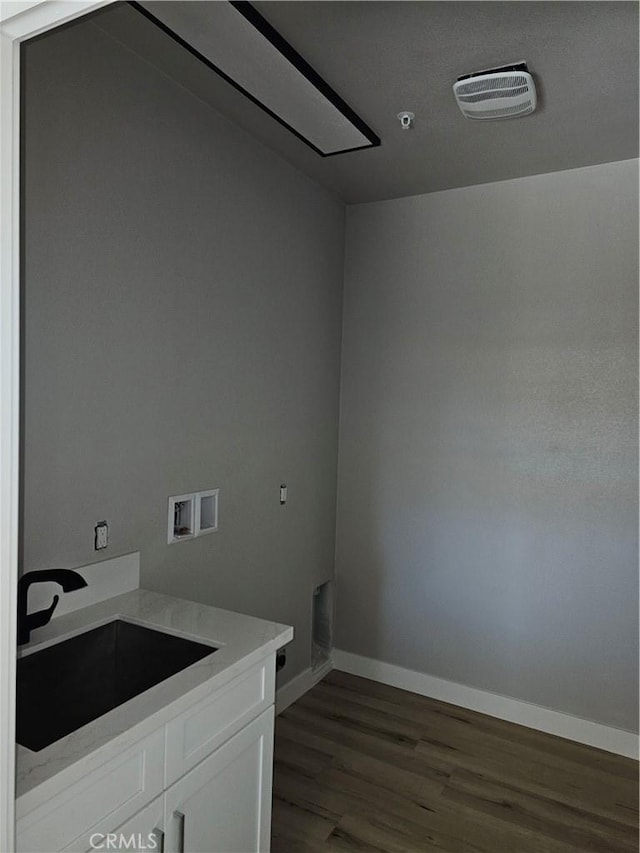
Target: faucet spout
x,y
68,580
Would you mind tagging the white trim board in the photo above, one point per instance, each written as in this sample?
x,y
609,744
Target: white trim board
x,y
299,685
18,21
503,707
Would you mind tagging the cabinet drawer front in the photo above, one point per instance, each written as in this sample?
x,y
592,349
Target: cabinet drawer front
x,y
107,796
199,731
142,832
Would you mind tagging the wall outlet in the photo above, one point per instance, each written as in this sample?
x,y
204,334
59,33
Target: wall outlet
x,y
101,531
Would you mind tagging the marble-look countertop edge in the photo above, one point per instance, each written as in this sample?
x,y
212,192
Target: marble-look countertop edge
x,y
241,641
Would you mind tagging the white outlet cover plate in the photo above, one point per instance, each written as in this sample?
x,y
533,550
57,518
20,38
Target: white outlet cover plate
x,y
101,535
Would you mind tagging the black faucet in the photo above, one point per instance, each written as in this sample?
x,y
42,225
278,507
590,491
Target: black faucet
x,y
68,580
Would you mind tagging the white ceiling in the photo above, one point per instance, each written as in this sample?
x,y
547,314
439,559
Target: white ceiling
x,y
382,57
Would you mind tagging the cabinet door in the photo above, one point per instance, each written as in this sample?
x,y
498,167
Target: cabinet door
x,y
143,833
100,801
224,804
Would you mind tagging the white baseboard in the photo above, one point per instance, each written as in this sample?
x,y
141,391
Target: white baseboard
x,y
299,685
503,707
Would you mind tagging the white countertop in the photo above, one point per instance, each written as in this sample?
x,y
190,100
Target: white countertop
x,y
240,641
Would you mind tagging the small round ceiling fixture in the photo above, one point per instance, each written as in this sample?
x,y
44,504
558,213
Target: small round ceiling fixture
x,y
406,119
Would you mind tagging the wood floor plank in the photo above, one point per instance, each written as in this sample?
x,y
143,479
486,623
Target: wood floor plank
x,y
415,707
543,815
516,758
302,732
385,721
406,772
310,795
351,734
367,832
412,781
284,844
337,792
298,756
365,767
431,817
338,740
537,777
293,821
351,715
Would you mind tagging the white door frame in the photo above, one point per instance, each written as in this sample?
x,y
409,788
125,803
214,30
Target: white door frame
x,y
18,21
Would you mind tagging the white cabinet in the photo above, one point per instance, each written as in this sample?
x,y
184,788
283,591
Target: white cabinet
x,y
200,783
224,804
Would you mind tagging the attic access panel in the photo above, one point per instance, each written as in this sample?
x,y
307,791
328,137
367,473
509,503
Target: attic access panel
x,y
237,43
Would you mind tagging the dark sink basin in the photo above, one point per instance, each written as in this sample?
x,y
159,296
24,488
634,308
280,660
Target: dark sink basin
x,y
67,685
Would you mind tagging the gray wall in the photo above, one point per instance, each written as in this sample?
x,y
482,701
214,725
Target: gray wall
x,y
487,499
182,331
183,294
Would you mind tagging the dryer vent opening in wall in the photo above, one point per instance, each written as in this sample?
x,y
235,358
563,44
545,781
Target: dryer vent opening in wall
x,y
322,624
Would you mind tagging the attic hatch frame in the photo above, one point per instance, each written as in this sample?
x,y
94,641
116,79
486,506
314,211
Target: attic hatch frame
x,y
292,56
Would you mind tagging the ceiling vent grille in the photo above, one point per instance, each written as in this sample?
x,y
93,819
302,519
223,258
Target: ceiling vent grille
x,y
507,92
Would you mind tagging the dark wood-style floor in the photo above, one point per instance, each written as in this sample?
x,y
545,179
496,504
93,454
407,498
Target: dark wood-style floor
x,y
360,766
